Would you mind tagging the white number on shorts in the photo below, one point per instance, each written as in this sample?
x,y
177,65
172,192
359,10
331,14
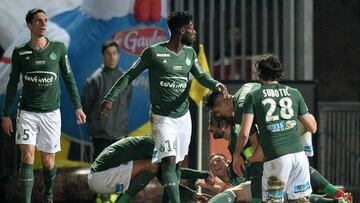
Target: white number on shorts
x,y
286,110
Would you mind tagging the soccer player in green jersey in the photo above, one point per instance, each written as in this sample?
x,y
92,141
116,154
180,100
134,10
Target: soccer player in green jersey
x,y
275,108
123,168
39,61
233,109
169,64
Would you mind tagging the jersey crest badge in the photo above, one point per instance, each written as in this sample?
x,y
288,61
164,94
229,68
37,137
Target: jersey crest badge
x,y
187,61
53,56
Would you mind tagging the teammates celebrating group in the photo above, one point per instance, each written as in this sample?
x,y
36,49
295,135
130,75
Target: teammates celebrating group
x,y
260,122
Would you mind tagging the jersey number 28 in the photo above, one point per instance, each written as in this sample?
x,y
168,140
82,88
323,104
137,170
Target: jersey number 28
x,y
286,110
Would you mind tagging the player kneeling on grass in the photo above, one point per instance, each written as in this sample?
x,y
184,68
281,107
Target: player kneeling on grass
x,y
124,162
125,168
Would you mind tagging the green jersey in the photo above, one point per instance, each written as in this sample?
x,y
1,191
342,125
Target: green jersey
x,y
40,77
276,108
168,78
239,98
123,151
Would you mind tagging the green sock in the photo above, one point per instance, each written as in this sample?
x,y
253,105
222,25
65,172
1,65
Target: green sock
x,y
26,178
256,200
178,171
317,180
171,182
165,198
49,179
256,170
136,185
192,174
224,197
319,199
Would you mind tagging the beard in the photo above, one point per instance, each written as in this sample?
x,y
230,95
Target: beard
x,y
187,41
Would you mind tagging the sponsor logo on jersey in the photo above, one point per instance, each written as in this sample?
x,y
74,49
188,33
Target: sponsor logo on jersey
x,y
133,41
53,56
178,84
162,55
25,53
177,67
42,78
40,62
174,85
281,126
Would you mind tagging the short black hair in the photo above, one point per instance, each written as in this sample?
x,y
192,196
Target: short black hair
x,y
178,19
31,13
269,67
210,99
109,44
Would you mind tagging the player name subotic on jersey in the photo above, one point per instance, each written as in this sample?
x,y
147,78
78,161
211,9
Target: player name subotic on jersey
x,y
283,92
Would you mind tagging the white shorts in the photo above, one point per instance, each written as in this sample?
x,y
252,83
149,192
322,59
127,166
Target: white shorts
x,y
172,136
287,175
42,130
113,180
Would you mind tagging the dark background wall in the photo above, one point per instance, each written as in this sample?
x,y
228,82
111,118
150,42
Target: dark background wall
x,y
337,49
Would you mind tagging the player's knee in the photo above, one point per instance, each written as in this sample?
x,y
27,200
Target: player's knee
x,y
48,163
27,157
154,168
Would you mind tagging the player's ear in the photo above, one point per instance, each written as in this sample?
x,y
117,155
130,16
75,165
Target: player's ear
x,y
182,30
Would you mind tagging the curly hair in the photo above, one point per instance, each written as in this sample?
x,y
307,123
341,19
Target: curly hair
x,y
210,99
269,67
178,19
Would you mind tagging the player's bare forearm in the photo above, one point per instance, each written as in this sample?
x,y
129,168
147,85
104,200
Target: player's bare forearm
x,y
308,120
